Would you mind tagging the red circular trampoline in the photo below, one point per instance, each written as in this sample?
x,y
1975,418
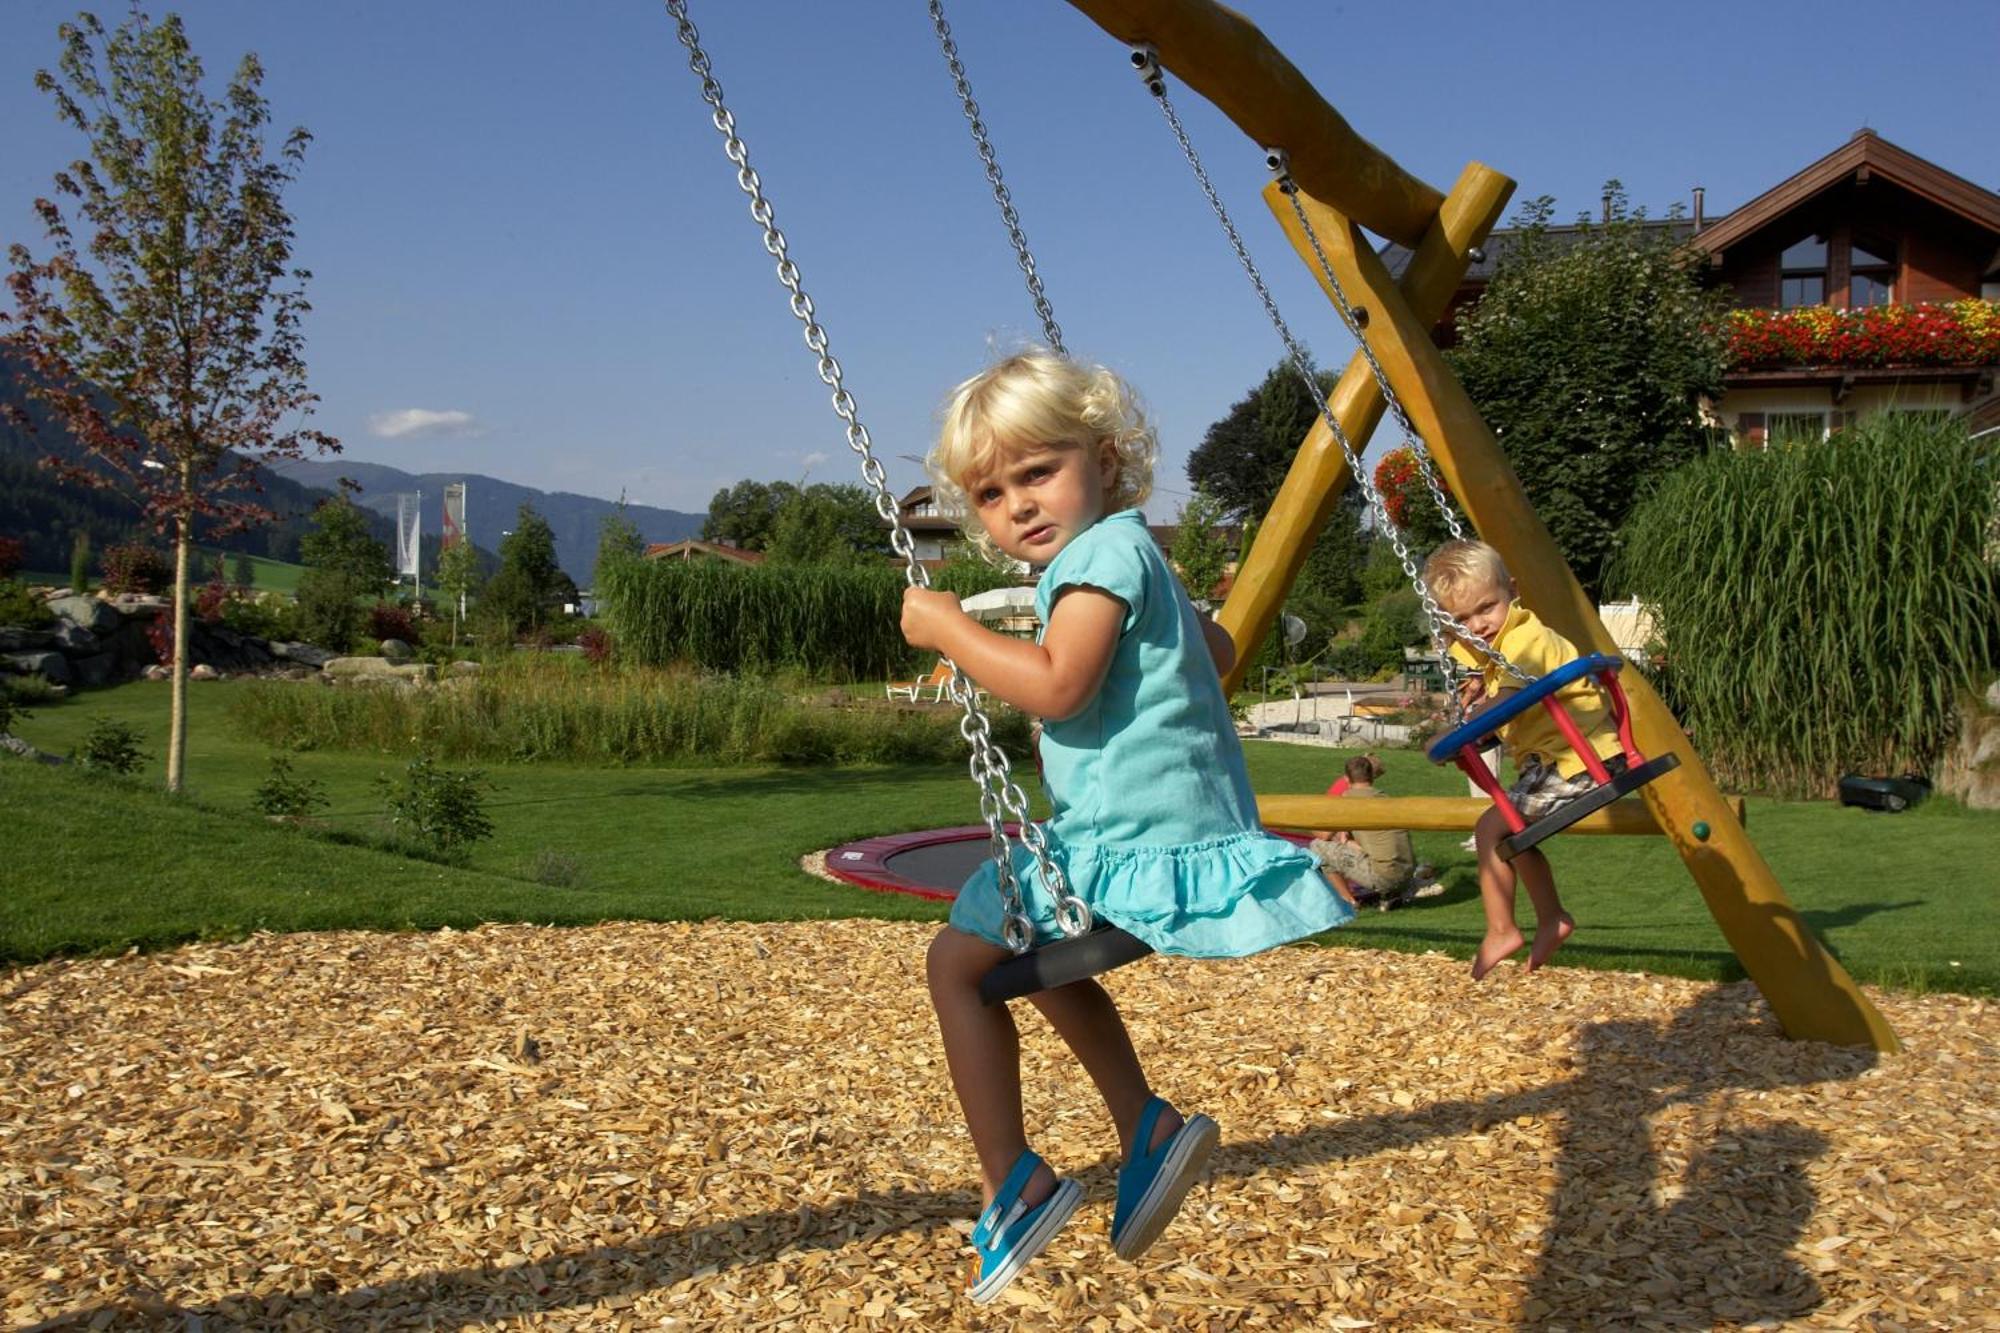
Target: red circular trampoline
x,y
929,864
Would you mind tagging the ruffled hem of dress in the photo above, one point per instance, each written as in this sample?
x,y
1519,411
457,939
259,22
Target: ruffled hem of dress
x,y
1226,898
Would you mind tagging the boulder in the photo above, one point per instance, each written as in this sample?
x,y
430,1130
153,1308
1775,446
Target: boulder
x,y
138,604
86,613
302,653
359,668
157,672
203,671
97,670
14,639
464,668
49,666
75,640
397,651
417,673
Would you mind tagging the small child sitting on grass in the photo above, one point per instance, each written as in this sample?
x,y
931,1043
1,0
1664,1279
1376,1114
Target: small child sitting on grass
x,y
1471,582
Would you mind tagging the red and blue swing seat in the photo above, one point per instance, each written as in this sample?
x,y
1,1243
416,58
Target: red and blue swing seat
x,y
1629,772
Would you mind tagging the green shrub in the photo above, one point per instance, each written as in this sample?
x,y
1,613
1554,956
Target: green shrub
x,y
136,567
111,746
437,807
828,622
285,794
79,563
1822,606
11,710
532,707
32,689
558,870
265,616
19,606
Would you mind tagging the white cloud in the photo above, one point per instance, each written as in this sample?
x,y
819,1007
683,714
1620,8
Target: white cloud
x,y
422,422
813,460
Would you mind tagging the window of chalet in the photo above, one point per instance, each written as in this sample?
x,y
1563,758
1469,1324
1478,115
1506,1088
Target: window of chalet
x,y
1794,427
1872,276
1802,274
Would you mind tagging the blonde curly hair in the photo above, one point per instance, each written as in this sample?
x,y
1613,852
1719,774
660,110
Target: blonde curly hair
x,y
1465,564
1034,398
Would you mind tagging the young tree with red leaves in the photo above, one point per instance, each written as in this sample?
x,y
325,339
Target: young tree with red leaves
x,y
164,334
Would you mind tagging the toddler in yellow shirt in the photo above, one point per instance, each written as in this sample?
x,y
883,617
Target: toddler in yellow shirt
x,y
1470,581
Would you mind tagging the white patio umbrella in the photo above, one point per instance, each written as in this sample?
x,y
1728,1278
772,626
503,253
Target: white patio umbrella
x,y
1000,603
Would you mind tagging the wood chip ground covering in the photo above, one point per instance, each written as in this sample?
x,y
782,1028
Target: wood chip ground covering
x,y
749,1126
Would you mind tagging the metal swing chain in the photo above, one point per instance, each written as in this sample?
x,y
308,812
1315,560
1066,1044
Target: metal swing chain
x,y
1050,330
999,794
1146,62
1413,439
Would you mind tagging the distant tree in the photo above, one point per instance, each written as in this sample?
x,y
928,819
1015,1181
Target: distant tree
x,y
520,595
1590,361
743,515
345,567
244,574
1202,551
167,339
1242,459
827,523
458,579
79,562
618,540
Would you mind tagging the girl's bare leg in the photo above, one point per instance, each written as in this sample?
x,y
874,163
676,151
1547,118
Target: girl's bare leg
x,y
983,1051
1496,895
1084,1016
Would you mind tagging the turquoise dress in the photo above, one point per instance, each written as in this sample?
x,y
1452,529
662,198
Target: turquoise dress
x,y
1154,824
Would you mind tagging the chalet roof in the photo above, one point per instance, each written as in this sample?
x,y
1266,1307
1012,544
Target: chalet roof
x,y
1865,156
691,546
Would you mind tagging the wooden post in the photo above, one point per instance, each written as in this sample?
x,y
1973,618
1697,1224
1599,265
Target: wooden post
x,y
1318,473
1442,813
1812,995
1221,55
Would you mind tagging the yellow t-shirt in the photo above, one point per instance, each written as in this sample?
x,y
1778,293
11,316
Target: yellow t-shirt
x,y
1536,649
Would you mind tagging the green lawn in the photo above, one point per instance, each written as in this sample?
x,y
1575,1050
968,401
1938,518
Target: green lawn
x,y
265,575
96,866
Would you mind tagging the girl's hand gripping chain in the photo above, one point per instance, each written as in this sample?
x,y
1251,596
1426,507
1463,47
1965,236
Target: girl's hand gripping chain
x,y
926,615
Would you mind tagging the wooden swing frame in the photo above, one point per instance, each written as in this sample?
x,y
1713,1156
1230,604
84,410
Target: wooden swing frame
x,y
1345,183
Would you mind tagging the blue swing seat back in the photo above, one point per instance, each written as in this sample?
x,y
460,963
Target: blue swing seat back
x,y
1479,731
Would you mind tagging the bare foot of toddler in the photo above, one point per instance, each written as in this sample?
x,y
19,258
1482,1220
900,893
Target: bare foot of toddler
x,y
1493,949
1549,937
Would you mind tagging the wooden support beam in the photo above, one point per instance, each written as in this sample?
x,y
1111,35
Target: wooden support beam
x,y
1221,55
1810,992
1318,473
1455,814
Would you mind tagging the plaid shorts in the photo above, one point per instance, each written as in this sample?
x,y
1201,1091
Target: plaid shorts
x,y
1541,787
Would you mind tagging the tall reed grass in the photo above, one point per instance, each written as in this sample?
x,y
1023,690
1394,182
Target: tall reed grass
x,y
1823,605
535,708
826,622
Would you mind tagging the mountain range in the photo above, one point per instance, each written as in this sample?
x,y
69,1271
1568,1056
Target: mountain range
x,y
491,506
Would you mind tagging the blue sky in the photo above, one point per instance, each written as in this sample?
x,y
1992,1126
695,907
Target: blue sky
x,y
530,258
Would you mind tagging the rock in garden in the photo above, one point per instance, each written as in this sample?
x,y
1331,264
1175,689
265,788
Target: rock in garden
x,y
464,668
203,671
96,670
49,666
303,653
359,668
14,639
74,639
397,651
87,613
157,672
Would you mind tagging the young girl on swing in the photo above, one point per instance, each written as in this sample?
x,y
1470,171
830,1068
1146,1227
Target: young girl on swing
x,y
1154,823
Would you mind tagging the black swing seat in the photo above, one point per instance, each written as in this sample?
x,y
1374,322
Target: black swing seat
x,y
1623,780
1059,962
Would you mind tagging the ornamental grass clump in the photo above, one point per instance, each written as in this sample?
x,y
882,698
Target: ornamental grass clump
x,y
1823,606
826,622
533,707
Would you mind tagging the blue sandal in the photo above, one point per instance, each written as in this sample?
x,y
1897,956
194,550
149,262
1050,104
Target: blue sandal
x,y
1153,1181
1010,1233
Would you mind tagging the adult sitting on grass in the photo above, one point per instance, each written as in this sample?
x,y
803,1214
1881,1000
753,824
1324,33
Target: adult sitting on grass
x,y
1368,861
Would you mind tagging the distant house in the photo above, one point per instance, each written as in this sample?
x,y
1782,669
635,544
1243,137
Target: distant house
x,y
935,526
1860,283
691,549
